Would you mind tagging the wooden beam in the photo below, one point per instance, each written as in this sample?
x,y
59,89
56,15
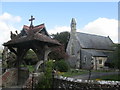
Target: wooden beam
x,y
12,50
20,54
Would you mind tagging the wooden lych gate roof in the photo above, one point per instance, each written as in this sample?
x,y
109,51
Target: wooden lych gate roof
x,y
31,34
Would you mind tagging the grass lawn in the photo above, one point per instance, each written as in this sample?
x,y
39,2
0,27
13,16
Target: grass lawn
x,y
73,73
111,77
30,67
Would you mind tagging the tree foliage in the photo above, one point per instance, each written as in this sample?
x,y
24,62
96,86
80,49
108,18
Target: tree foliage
x,y
47,79
116,56
30,57
61,66
11,60
58,53
115,63
0,54
62,37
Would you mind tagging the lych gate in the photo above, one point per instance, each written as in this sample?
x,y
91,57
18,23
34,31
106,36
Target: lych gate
x,y
31,37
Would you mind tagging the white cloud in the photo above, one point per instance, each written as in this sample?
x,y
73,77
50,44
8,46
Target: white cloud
x,y
104,27
100,26
9,17
6,25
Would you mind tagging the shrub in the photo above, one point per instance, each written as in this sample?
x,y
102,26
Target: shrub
x,y
46,81
58,53
61,66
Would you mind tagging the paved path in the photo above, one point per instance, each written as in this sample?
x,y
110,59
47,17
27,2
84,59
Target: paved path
x,y
94,75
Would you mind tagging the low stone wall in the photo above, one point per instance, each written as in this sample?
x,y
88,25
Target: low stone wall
x,y
71,83
23,75
33,79
9,78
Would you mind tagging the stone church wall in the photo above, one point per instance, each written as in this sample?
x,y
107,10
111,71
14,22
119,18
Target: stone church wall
x,y
86,60
10,77
72,61
73,50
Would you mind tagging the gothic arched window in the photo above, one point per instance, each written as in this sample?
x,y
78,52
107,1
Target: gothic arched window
x,y
85,59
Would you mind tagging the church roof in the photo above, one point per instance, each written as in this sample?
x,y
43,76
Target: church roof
x,y
90,41
95,53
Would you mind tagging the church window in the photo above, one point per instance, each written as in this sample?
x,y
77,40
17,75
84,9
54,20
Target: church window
x,y
92,62
85,59
100,61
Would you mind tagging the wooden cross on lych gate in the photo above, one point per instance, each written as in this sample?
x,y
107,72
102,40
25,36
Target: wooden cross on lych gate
x,y
31,21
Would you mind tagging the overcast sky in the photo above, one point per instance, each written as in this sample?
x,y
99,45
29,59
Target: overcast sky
x,y
99,18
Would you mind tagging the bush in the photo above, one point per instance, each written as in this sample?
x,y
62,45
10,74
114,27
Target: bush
x,y
61,66
46,81
58,53
110,65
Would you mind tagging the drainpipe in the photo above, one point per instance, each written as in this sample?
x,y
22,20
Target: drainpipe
x,y
95,63
80,60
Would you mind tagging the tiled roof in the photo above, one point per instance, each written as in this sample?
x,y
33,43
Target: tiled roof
x,y
94,41
95,53
37,33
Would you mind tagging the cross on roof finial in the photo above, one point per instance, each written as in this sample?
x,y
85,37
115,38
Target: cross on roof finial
x,y
31,20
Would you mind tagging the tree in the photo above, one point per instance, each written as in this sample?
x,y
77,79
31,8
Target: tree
x,y
30,57
58,53
11,60
62,37
0,54
116,57
61,66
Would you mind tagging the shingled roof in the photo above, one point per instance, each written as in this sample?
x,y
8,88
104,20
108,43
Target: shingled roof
x,y
32,34
90,41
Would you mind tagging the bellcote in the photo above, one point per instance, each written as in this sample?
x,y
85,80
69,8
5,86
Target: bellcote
x,y
73,21
73,26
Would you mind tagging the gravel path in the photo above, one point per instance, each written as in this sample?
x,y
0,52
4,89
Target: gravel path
x,y
94,75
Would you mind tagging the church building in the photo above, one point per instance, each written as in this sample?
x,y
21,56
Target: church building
x,y
88,51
